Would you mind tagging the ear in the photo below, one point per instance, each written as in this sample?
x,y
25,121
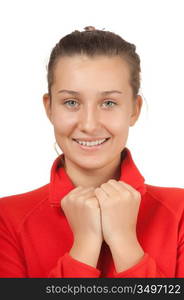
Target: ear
x,y
137,105
47,105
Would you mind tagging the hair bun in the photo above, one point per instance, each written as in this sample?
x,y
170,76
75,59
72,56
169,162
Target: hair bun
x,y
89,28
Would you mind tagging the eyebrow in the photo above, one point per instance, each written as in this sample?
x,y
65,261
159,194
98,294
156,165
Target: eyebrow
x,y
78,93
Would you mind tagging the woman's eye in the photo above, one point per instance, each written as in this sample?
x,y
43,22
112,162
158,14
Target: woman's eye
x,y
70,103
74,104
112,103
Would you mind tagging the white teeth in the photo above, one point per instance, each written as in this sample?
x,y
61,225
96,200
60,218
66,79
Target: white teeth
x,y
90,144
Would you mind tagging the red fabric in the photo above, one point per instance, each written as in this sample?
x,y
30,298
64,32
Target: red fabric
x,y
35,237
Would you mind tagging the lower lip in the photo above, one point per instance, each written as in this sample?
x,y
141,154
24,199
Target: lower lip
x,y
92,148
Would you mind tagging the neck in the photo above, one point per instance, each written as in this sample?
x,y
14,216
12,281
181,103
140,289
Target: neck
x,y
93,178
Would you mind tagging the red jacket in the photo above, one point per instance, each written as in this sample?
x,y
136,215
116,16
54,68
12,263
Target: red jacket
x,y
35,237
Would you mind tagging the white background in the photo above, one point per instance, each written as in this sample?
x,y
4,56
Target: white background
x,y
28,32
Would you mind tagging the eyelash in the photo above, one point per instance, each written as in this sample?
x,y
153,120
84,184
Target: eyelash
x,y
66,102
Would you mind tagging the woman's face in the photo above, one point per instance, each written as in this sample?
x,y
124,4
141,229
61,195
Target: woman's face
x,y
85,108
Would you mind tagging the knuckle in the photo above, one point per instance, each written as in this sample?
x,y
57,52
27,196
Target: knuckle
x,y
104,204
92,202
111,180
71,197
127,193
86,190
137,196
90,190
103,185
80,198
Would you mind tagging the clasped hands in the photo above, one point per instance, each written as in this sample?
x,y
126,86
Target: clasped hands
x,y
107,213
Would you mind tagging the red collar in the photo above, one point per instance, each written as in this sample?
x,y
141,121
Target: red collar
x,y
60,183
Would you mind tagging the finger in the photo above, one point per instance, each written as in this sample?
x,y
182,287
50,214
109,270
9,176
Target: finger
x,y
120,185
131,189
109,189
83,191
76,190
101,195
93,201
126,185
86,190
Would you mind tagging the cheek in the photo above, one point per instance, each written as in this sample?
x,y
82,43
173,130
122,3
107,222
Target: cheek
x,y
118,124
63,122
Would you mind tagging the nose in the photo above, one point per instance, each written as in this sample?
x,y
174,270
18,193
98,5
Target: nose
x,y
89,119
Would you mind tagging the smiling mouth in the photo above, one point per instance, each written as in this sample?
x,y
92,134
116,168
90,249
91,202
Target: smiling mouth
x,y
91,145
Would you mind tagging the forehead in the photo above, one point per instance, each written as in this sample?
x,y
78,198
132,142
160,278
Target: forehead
x,y
81,65
91,75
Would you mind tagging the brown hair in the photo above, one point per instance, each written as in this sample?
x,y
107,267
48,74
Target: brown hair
x,y
92,42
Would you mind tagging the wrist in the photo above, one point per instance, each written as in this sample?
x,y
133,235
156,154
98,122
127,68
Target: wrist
x,y
123,239
89,241
126,253
86,251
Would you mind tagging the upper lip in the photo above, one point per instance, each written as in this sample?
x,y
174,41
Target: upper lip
x,y
91,140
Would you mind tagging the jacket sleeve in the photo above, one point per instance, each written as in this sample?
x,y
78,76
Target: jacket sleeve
x,y
180,250
13,264
146,268
68,267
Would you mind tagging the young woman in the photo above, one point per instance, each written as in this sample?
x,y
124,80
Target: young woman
x,y
96,217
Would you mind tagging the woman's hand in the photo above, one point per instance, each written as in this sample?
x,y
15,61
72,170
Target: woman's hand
x,y
82,211
119,204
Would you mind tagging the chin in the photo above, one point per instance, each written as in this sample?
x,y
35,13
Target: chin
x,y
90,164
